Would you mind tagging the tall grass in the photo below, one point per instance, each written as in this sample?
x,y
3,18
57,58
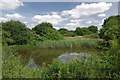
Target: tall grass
x,y
12,67
69,43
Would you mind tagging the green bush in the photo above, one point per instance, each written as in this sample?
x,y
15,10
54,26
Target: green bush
x,y
110,29
95,67
67,33
47,31
15,33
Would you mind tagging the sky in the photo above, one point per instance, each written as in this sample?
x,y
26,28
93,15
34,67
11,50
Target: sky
x,y
69,15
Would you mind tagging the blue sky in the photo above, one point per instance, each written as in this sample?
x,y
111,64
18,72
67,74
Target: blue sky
x,y
67,15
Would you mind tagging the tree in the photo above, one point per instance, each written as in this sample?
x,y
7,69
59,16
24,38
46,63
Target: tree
x,y
66,32
79,31
15,32
46,31
110,31
110,28
93,29
82,31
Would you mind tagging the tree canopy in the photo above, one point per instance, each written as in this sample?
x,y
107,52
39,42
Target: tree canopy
x,y
66,32
86,31
93,29
15,32
110,28
110,31
47,31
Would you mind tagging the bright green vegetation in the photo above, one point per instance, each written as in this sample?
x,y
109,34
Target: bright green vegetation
x,y
12,67
16,33
69,42
12,33
46,31
111,30
103,65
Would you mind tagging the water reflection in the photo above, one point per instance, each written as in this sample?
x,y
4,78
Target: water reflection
x,y
35,56
32,63
66,57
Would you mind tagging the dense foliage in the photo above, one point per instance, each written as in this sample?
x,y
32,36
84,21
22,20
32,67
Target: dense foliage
x,y
86,31
110,29
13,68
14,33
47,31
66,32
93,29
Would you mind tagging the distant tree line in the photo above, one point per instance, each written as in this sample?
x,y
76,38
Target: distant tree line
x,y
16,32
79,31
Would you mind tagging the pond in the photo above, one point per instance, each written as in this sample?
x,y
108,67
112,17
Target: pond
x,y
35,57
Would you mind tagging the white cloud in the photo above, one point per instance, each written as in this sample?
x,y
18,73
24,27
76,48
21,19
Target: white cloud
x,y
57,28
72,25
88,22
14,16
4,19
10,4
54,18
101,22
25,22
102,15
87,9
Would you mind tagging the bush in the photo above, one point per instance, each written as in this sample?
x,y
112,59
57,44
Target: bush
x,y
47,31
82,31
67,33
95,67
13,68
15,33
110,28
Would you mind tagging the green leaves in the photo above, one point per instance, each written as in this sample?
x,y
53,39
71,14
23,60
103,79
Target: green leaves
x,y
15,33
110,28
86,31
47,31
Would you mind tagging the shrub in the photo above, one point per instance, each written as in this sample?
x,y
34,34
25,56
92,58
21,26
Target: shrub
x,y
67,33
47,31
15,32
13,68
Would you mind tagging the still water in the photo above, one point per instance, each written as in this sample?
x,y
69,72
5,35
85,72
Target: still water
x,y
35,57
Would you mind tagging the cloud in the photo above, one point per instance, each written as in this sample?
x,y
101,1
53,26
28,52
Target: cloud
x,y
73,24
4,19
14,16
88,22
54,18
102,15
10,4
87,9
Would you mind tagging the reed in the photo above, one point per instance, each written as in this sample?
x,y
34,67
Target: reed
x,y
69,43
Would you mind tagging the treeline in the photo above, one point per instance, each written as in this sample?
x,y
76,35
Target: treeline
x,y
79,31
16,32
